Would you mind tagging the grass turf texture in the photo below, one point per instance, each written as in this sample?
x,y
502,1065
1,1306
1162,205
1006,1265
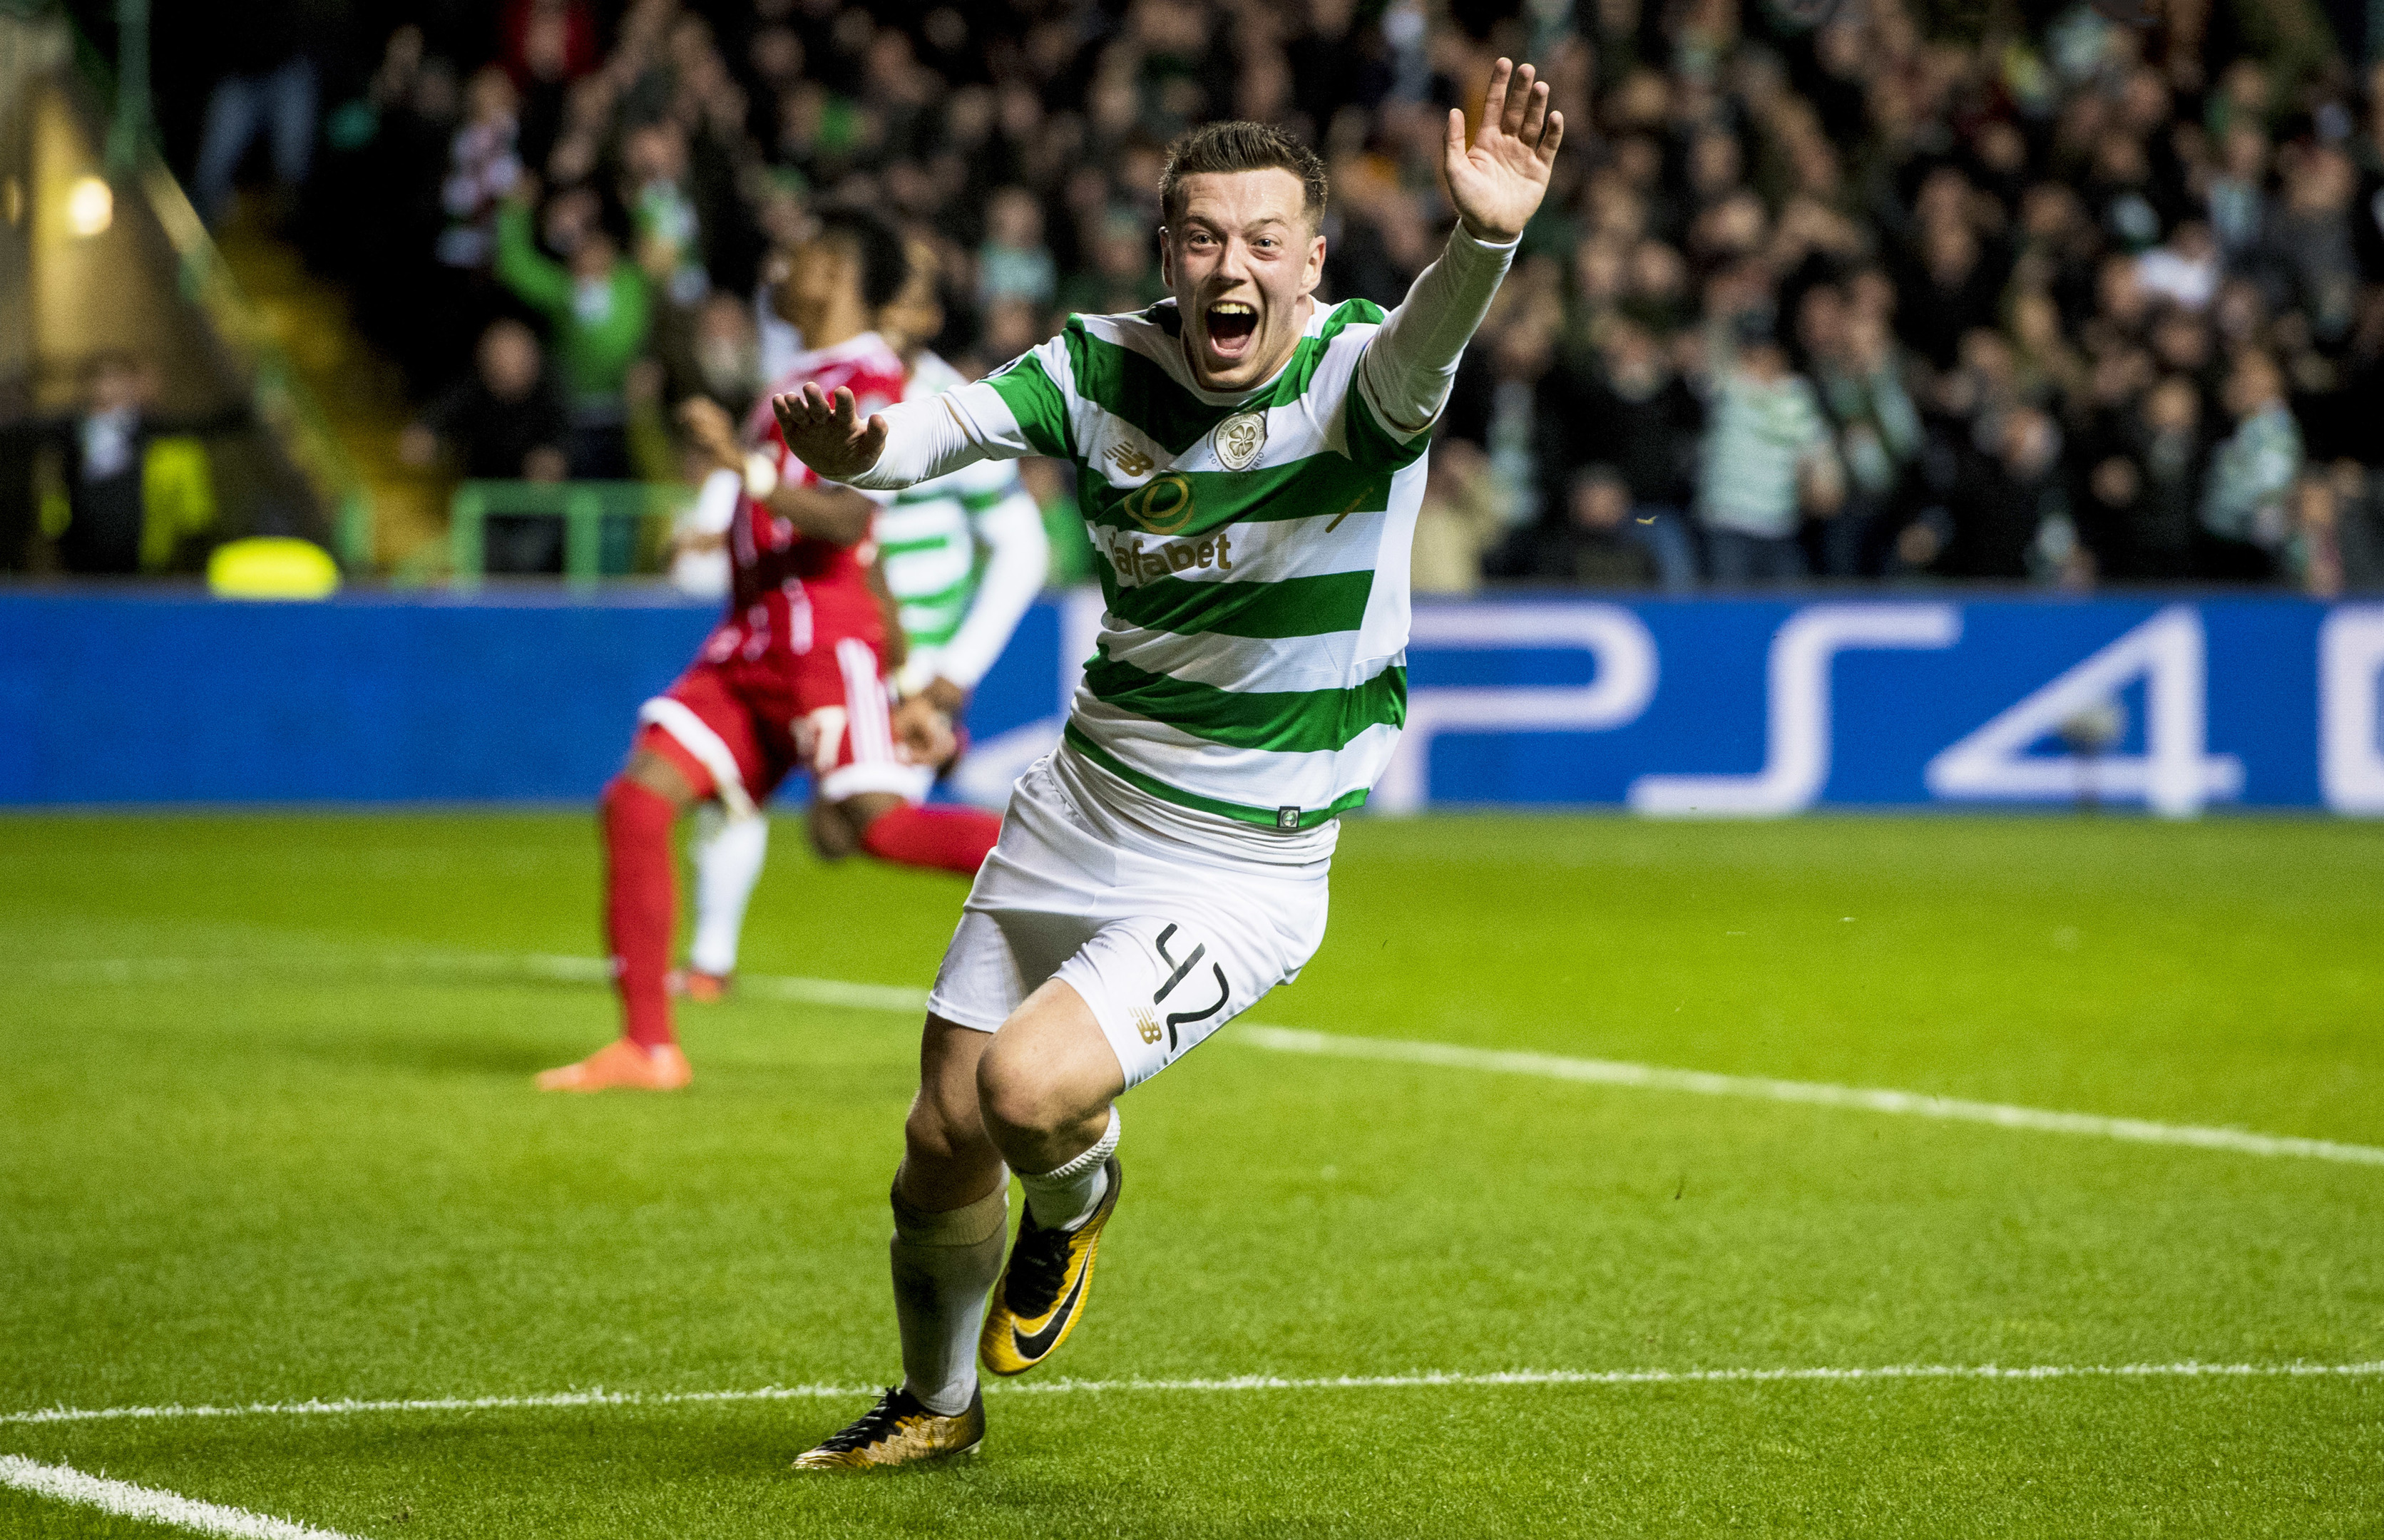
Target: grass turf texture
x,y
282,1159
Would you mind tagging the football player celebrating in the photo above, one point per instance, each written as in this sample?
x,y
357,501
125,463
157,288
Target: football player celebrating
x,y
962,557
794,675
1250,465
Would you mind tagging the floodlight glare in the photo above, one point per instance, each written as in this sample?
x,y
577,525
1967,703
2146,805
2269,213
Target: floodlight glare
x,y
91,206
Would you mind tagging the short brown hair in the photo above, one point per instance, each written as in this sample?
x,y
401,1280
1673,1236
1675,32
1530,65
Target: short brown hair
x,y
1227,147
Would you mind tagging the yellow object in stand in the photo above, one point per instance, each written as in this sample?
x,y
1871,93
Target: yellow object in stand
x,y
272,568
178,499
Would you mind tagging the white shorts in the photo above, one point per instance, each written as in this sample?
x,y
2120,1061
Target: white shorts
x,y
1165,939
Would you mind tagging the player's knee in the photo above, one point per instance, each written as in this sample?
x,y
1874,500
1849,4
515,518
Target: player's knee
x,y
938,1132
832,834
1015,1100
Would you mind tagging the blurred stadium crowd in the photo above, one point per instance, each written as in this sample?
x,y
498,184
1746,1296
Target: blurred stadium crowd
x,y
1867,291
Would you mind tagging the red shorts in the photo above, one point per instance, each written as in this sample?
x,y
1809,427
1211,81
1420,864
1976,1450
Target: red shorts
x,y
735,729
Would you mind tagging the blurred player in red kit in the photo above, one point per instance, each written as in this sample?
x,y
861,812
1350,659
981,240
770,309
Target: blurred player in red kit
x,y
793,676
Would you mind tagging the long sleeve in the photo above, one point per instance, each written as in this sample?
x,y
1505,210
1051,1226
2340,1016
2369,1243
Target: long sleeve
x,y
1018,557
937,436
1408,368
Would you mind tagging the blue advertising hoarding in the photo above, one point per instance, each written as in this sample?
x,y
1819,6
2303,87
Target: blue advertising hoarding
x,y
1721,707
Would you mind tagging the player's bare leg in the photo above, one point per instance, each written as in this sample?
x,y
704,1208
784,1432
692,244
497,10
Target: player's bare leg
x,y
640,806
1045,1089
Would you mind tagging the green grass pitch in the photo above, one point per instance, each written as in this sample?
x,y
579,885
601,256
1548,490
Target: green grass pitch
x,y
266,1134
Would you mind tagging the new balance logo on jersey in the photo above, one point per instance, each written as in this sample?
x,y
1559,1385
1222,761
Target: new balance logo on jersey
x,y
1131,460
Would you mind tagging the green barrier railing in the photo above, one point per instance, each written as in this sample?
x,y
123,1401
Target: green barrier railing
x,y
609,528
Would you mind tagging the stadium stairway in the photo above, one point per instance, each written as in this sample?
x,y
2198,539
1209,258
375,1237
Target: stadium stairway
x,y
360,393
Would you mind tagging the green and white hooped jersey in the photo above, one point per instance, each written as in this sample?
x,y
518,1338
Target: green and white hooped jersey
x,y
926,539
1254,558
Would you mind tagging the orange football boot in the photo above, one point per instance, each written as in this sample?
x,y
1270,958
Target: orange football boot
x,y
623,1065
700,987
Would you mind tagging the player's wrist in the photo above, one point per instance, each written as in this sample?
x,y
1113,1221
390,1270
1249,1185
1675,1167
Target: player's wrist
x,y
914,679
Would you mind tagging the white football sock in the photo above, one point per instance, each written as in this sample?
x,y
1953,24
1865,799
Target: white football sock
x,y
727,854
1065,1198
944,1266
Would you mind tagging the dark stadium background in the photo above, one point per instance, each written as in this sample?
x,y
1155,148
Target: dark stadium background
x,y
2069,302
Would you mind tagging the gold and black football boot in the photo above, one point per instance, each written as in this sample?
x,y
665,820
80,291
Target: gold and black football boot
x,y
1042,1293
899,1431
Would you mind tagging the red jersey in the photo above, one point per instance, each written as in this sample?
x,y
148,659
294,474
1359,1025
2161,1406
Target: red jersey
x,y
789,592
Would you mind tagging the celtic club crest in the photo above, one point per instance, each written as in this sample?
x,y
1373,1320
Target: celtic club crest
x,y
1240,438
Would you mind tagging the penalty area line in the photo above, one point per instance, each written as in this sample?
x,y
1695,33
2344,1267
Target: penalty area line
x,y
2186,1369
65,1483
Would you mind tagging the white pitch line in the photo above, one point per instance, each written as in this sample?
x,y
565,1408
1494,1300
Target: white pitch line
x,y
847,995
1652,1078
2188,1369
67,1484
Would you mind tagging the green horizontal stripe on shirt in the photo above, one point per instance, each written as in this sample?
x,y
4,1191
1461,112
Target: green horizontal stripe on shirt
x,y
1373,445
1291,721
1121,381
1037,401
1241,813
926,543
1292,607
1126,381
1325,486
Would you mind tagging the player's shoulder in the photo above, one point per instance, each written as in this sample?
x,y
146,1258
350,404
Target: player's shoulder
x,y
1152,329
1354,320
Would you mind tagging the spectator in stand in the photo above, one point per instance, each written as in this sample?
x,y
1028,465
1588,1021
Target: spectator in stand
x,y
1459,523
2245,519
2353,534
503,422
2064,218
482,170
1859,377
104,451
1606,541
598,312
1767,458
1623,404
2006,494
267,88
1013,263
2137,509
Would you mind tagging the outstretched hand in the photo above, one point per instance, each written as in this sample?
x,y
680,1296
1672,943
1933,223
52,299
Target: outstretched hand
x,y
1497,182
923,731
829,436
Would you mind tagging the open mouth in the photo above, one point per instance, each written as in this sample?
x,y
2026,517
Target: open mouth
x,y
1231,325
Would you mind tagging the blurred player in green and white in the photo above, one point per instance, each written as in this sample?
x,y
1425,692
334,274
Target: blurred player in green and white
x,y
1249,463
963,557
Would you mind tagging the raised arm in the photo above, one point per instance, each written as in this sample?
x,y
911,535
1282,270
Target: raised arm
x,y
1496,183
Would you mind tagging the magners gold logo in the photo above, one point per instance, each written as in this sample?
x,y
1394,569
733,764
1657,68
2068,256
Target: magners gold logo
x,y
1161,506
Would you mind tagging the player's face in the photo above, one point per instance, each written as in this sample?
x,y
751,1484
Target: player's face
x,y
822,273
1243,261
